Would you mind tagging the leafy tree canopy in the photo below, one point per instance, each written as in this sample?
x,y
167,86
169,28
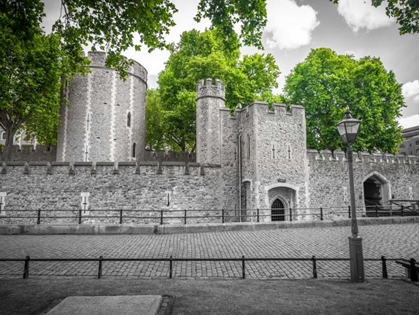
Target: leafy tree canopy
x,y
325,83
111,25
31,65
201,55
406,12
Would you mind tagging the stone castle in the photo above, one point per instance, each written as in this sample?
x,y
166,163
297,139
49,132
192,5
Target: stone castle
x,y
256,159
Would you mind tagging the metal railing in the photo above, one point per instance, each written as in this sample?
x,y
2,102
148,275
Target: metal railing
x,y
217,216
413,264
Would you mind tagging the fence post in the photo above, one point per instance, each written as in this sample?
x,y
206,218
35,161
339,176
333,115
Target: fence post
x,y
258,215
80,216
243,267
185,216
161,217
26,268
402,210
121,216
322,216
39,217
384,270
314,271
100,267
376,211
223,215
170,267
290,214
349,212
413,271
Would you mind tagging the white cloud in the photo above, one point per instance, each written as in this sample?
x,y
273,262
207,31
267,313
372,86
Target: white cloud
x,y
360,14
289,26
410,121
410,90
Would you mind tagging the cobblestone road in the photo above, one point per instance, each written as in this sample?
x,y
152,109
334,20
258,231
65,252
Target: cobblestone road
x,y
392,241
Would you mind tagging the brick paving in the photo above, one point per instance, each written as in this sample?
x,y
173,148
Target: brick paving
x,y
392,241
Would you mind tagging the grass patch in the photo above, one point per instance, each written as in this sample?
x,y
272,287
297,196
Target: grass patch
x,y
230,296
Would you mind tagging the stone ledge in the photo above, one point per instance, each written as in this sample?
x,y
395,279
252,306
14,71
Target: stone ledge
x,y
106,229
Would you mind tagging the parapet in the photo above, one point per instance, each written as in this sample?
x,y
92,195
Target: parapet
x,y
361,157
98,59
281,110
207,89
108,168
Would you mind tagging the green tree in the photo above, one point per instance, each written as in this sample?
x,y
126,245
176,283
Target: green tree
x,y
111,25
31,66
406,12
201,55
325,83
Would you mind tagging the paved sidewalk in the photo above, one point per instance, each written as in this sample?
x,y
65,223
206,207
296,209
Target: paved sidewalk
x,y
392,241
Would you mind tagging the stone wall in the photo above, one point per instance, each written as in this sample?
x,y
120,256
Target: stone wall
x,y
31,153
146,186
328,180
105,118
210,99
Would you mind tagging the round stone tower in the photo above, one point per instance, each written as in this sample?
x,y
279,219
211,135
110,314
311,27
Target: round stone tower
x,y
210,99
105,118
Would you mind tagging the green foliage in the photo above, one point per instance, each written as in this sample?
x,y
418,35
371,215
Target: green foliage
x,y
111,25
252,15
31,66
325,83
406,12
204,55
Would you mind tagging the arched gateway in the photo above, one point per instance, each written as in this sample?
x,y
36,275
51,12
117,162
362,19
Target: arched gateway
x,y
277,210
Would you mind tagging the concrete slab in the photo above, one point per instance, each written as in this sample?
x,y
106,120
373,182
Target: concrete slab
x,y
108,305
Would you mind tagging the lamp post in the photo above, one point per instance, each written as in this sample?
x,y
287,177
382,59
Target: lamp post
x,y
348,129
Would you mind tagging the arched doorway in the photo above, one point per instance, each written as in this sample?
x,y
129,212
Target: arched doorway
x,y
376,191
277,210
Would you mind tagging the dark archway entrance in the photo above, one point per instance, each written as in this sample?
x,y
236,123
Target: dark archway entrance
x,y
372,189
277,210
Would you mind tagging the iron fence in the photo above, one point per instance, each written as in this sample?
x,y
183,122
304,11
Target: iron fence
x,y
413,265
162,216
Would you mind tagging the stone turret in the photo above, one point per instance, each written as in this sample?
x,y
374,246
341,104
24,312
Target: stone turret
x,y
210,99
105,118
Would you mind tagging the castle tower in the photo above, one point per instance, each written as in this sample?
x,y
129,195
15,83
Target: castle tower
x,y
210,99
105,117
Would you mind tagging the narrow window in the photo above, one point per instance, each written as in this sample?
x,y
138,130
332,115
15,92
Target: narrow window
x,y
85,202
2,202
133,154
274,151
249,145
129,120
87,122
86,153
289,155
3,136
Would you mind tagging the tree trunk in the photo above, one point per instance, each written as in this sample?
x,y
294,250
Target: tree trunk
x,y
9,143
182,144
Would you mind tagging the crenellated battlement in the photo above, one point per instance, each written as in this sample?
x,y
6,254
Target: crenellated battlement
x,y
361,157
114,168
277,110
98,59
207,89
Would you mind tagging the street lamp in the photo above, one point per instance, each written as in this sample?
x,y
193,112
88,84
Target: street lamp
x,y
348,129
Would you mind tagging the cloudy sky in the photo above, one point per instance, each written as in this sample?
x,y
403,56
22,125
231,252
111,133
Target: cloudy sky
x,y
296,27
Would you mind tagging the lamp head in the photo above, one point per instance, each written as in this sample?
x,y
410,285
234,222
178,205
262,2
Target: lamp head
x,y
348,128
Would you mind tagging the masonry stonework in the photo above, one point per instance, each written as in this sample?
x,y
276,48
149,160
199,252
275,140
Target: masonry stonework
x,y
105,118
247,163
